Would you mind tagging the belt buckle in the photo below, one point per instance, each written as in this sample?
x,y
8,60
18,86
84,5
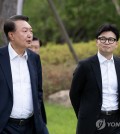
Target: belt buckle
x,y
21,122
107,113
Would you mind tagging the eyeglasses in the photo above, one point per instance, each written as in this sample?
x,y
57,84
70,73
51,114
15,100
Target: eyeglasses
x,y
104,39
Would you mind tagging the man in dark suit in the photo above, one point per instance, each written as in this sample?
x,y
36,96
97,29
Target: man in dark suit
x,y
35,47
20,81
95,88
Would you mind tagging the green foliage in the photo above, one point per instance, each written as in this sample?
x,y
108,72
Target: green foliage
x,y
55,55
80,17
60,54
61,120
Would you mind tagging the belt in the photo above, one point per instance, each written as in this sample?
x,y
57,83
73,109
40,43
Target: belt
x,y
20,122
110,112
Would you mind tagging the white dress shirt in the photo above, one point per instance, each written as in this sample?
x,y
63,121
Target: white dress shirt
x,y
22,92
109,84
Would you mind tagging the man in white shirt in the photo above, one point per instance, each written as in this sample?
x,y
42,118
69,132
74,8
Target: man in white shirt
x,y
20,81
95,88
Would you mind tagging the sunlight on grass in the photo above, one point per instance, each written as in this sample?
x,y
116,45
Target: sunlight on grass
x,y
61,120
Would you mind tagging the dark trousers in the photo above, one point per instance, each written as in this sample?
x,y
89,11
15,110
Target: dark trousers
x,y
14,128
108,124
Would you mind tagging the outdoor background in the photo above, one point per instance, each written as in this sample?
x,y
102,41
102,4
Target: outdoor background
x,y
81,18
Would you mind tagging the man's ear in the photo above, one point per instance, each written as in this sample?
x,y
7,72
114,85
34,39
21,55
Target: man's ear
x,y
116,44
11,35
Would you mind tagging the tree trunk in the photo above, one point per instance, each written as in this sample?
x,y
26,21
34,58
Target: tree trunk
x,y
63,30
20,6
7,9
117,6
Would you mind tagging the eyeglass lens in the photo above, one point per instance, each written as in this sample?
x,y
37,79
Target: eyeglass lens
x,y
104,39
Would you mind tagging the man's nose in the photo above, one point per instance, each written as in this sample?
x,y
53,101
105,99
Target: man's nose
x,y
107,41
30,34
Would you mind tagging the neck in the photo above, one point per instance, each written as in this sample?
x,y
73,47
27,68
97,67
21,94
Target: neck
x,y
18,50
108,56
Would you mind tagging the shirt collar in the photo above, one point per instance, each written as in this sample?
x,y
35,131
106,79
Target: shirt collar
x,y
102,59
13,54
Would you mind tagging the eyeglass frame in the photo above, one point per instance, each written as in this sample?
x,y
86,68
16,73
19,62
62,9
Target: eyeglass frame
x,y
105,39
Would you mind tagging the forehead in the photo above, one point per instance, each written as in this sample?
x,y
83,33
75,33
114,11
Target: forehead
x,y
21,24
108,34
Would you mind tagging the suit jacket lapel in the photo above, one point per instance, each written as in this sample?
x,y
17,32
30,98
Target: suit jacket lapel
x,y
34,84
97,72
117,67
96,69
32,73
5,66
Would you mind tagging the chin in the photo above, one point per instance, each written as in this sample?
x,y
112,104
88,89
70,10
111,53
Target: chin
x,y
28,45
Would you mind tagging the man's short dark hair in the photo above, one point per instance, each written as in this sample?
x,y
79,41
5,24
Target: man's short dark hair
x,y
108,27
9,25
35,38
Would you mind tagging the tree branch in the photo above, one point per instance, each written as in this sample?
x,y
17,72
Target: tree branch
x,y
117,6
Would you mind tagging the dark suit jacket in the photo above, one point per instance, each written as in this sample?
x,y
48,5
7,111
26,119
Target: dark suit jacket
x,y
86,93
43,112
6,89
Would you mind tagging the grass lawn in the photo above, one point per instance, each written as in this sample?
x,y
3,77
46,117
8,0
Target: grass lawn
x,y
61,120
